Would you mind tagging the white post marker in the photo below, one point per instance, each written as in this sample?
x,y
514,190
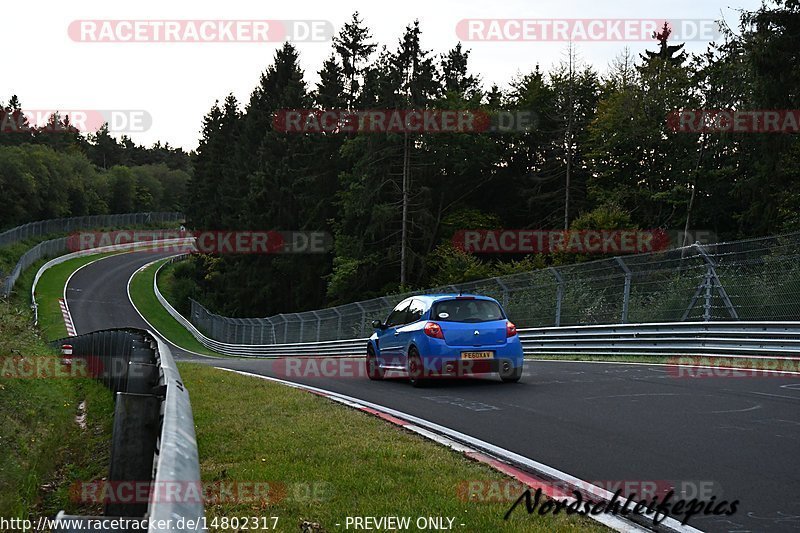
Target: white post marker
x,y
66,354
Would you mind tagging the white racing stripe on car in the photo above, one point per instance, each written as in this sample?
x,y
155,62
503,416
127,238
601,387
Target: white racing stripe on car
x,y
460,442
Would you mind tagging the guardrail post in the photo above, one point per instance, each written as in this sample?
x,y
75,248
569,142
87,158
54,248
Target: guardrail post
x,y
626,296
559,293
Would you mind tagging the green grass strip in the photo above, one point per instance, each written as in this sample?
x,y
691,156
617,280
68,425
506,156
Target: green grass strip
x,y
141,290
328,462
51,287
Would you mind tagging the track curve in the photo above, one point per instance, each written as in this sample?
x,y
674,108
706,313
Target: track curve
x,y
605,422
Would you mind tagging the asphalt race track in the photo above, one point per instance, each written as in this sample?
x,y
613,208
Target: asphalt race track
x,y
595,421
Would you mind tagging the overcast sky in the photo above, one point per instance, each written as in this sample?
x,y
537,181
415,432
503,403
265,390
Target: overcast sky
x,y
176,83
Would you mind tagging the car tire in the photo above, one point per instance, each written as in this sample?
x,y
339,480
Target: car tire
x,y
415,368
374,371
513,376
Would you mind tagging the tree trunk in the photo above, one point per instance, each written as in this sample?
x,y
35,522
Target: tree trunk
x,y
404,232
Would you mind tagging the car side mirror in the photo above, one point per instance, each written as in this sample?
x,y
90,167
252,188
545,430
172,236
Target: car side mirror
x,y
377,324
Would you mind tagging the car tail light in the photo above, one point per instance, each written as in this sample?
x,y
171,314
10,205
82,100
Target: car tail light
x,y
432,329
511,329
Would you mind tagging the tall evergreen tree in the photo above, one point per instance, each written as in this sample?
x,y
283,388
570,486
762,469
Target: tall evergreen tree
x,y
354,47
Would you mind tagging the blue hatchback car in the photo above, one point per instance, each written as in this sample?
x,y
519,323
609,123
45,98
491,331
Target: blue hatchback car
x,y
445,335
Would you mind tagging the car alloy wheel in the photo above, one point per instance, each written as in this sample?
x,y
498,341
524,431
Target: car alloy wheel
x,y
415,368
374,371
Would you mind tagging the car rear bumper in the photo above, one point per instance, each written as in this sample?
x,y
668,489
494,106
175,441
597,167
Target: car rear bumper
x,y
441,359
460,367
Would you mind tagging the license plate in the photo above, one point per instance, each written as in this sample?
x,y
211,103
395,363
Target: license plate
x,y
477,355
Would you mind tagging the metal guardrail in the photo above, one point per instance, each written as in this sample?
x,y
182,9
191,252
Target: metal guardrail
x,y
92,251
711,339
63,225
330,348
721,339
49,248
54,247
154,438
750,280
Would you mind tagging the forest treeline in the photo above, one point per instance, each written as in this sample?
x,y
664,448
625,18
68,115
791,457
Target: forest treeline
x,y
54,171
602,155
608,130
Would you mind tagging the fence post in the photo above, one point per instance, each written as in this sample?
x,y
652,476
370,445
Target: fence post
x,y
707,302
559,293
363,318
272,328
338,323
627,291
302,323
504,288
319,323
712,271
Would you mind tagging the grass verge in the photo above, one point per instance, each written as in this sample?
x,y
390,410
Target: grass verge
x,y
45,450
335,462
141,289
54,431
50,288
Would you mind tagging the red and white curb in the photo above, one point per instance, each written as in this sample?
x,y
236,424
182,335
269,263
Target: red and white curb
x,y
67,318
497,458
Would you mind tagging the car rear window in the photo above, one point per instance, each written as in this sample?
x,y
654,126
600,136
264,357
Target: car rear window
x,y
464,310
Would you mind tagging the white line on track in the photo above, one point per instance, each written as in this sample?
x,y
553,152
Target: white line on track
x,y
477,449
64,297
153,328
